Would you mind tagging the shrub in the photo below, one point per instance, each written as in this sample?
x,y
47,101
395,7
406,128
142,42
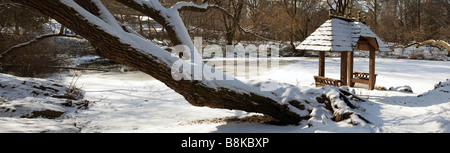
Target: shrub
x,y
31,61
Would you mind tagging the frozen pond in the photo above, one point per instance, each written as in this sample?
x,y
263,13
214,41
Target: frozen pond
x,y
135,102
247,68
419,74
221,64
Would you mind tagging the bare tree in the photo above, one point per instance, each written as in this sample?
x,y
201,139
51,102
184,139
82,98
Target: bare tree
x,y
340,7
299,18
374,10
232,19
403,21
292,11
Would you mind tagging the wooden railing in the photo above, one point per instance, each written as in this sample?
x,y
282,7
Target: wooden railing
x,y
361,77
323,81
358,77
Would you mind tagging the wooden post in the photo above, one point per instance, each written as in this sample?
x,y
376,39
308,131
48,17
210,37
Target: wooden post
x,y
372,68
344,68
322,64
350,69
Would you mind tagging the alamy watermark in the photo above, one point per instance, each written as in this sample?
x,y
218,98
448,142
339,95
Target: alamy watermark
x,y
243,60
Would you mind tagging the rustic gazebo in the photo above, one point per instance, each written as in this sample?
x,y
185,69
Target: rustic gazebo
x,y
344,35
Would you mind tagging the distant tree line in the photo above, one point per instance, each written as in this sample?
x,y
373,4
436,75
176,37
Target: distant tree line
x,y
397,21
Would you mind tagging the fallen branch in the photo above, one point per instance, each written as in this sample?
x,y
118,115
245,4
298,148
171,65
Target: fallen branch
x,y
431,42
434,42
78,68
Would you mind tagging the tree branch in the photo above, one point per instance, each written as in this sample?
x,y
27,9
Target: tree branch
x,y
169,19
190,6
83,69
105,15
154,13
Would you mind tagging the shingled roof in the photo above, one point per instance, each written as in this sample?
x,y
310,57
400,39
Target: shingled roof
x,y
339,35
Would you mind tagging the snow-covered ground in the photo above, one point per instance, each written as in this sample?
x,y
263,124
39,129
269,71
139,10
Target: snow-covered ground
x,y
37,105
421,75
135,102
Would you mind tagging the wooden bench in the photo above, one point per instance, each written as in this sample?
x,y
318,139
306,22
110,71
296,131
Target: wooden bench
x,y
323,81
361,77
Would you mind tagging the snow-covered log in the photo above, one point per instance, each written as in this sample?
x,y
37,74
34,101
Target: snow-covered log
x,y
434,42
288,103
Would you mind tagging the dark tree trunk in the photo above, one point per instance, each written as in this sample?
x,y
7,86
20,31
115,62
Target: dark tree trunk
x,y
195,92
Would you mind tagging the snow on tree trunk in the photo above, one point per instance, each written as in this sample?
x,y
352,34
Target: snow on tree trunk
x,y
288,104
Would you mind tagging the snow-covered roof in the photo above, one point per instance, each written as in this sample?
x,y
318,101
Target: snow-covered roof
x,y
339,35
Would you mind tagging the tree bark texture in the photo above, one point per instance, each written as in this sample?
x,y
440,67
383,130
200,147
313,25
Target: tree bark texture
x,y
194,92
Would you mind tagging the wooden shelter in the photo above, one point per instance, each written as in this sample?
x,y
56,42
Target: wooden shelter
x,y
344,35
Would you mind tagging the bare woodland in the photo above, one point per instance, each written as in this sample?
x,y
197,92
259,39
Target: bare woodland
x,y
398,21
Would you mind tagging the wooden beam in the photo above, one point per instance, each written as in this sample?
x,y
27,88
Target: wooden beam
x,y
322,64
344,68
365,42
372,68
350,69
362,46
373,42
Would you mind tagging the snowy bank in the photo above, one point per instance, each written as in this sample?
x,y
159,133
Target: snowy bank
x,y
135,102
26,100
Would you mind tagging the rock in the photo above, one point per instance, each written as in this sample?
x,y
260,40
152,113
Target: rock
x,y
380,88
49,114
442,84
405,88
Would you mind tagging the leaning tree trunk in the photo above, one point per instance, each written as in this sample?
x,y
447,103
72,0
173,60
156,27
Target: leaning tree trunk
x,y
113,47
91,20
